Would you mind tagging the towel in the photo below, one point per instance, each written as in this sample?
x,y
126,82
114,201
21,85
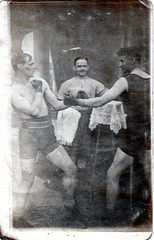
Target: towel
x,y
66,125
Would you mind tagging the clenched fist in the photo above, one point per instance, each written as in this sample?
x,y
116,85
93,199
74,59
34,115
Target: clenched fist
x,y
37,85
82,95
70,100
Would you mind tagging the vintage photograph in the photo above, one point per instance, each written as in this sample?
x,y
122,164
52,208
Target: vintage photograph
x,y
81,115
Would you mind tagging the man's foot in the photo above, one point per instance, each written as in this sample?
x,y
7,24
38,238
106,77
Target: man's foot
x,y
21,223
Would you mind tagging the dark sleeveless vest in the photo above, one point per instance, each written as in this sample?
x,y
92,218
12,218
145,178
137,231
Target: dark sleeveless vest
x,y
137,103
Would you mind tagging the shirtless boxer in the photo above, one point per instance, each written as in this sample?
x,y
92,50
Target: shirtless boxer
x,y
36,131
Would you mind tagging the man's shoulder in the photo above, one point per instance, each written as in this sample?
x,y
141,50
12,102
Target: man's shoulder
x,y
93,80
122,81
68,81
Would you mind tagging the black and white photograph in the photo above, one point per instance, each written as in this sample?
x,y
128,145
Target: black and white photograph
x,y
80,106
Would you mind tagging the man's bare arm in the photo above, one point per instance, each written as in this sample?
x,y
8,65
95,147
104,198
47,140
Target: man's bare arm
x,y
23,105
52,100
120,86
102,92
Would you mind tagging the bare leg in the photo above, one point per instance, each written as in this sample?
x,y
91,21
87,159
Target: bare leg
x,y
61,159
27,167
147,165
120,163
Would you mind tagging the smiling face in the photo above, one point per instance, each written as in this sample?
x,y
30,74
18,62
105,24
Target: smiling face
x,y
81,67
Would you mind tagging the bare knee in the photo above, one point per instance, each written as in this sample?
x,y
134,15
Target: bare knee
x,y
71,171
27,169
120,163
122,160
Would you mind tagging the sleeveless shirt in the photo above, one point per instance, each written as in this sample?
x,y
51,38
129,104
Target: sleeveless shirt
x,y
136,103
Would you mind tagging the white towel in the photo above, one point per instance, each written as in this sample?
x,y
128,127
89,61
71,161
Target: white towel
x,y
66,125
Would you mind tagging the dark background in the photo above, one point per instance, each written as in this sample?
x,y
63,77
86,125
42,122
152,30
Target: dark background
x,y
99,29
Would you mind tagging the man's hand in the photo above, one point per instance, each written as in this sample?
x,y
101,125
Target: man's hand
x,y
37,85
70,100
82,95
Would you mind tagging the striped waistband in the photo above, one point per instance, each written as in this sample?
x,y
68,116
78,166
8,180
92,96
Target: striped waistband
x,y
34,123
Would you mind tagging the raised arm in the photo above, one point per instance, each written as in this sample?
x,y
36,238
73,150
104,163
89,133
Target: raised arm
x,y
120,86
23,105
51,98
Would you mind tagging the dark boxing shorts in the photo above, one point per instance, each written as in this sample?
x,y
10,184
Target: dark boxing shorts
x,y
36,134
133,141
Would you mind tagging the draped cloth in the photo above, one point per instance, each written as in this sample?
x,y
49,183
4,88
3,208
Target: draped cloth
x,y
111,114
66,125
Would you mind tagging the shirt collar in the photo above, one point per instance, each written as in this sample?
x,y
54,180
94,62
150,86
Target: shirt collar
x,y
140,73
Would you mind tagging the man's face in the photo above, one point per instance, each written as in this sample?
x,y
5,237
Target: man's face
x,y
81,67
125,64
27,68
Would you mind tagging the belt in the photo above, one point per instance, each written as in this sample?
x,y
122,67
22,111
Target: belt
x,y
34,123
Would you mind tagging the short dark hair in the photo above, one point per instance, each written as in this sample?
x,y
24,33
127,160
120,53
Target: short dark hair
x,y
19,57
78,58
130,52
